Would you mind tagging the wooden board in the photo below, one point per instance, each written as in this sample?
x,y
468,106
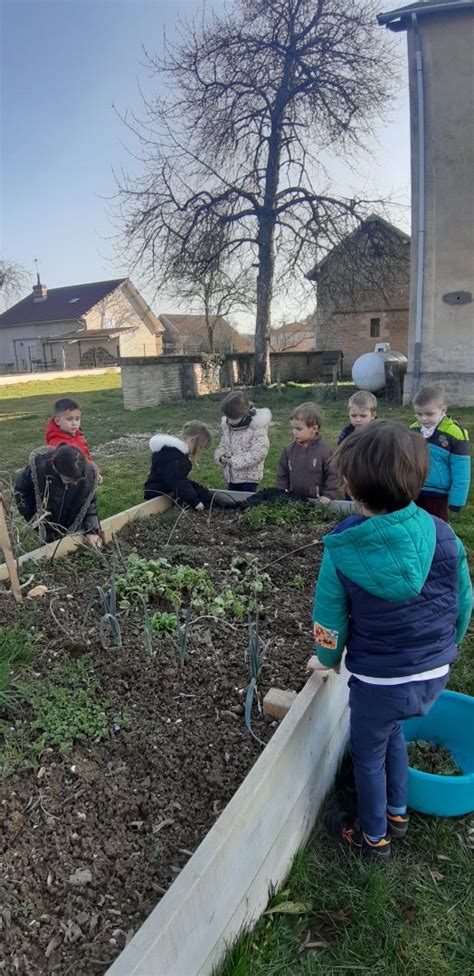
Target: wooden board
x,y
111,525
225,886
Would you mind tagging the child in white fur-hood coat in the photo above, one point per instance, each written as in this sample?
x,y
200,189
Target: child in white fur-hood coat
x,y
171,463
244,442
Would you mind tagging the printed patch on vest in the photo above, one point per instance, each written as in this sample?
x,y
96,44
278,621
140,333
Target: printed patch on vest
x,y
325,637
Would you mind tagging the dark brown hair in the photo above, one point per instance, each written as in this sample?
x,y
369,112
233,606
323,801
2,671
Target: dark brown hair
x,y
384,466
65,403
70,462
236,405
308,413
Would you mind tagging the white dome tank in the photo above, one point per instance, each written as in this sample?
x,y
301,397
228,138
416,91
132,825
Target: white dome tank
x,y
368,371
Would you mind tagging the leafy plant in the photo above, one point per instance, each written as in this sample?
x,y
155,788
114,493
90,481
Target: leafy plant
x,y
432,758
284,513
65,708
298,582
163,623
147,578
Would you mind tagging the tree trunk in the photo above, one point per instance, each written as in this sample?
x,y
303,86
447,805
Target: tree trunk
x,y
262,373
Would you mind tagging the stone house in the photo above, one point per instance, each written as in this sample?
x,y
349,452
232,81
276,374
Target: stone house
x,y
78,326
187,335
293,337
363,290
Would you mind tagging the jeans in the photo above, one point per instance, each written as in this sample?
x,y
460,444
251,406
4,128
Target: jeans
x,y
378,748
242,485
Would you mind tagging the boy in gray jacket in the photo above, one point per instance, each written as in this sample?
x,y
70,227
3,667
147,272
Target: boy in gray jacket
x,y
305,465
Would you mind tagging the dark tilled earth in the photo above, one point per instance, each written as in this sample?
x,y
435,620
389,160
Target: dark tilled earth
x,y
91,841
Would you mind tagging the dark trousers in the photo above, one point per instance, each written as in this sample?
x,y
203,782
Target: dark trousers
x,y
434,504
378,748
242,485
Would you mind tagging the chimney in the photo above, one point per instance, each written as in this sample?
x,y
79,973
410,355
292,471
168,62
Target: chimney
x,y
40,292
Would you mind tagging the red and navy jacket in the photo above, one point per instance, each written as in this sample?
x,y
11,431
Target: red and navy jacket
x,y
53,437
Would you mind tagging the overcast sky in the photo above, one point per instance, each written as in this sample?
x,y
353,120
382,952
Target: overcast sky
x,y
65,64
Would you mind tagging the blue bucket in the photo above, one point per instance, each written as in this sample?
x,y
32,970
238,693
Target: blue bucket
x,y
450,722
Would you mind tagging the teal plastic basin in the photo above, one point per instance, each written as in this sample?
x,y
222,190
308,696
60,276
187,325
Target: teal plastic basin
x,y
451,723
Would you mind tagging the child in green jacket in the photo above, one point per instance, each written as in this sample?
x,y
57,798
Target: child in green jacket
x,y
394,589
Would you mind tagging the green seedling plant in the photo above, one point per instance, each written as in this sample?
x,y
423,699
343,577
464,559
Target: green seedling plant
x,y
163,623
298,582
108,621
150,578
255,653
284,513
16,650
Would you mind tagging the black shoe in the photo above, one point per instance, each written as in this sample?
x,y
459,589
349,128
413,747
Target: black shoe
x,y
224,501
398,825
348,833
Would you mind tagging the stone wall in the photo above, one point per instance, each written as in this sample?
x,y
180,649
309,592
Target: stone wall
x,y
150,380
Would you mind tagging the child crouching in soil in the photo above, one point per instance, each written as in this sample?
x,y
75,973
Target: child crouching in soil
x,y
244,442
171,463
394,588
305,465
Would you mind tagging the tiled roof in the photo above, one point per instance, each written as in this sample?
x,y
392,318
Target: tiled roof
x,y
60,303
193,328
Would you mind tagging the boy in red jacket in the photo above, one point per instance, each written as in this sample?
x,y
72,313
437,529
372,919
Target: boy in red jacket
x,y
65,426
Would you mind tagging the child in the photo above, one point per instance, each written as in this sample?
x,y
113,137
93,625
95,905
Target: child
x,y
362,408
304,466
65,427
449,476
244,442
171,463
394,587
58,486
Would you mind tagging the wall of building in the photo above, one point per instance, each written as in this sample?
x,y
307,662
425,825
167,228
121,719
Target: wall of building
x,y
447,351
354,286
121,310
148,381
30,335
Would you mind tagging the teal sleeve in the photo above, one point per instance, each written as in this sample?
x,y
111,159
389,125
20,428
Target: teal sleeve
x,y
330,614
465,593
460,465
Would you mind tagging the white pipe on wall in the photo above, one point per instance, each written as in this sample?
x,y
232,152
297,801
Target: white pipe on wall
x,y
421,208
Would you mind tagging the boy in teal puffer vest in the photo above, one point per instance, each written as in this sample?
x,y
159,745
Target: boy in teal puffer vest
x,y
447,484
394,589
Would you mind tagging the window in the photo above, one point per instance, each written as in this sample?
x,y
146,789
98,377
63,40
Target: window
x,y
374,328
109,322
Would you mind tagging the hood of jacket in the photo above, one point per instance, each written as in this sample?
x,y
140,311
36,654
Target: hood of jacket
x,y
167,440
261,418
387,555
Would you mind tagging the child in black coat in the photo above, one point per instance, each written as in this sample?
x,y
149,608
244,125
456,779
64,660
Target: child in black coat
x,y
171,463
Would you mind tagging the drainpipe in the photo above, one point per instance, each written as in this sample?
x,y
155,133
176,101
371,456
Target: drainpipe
x,y
421,206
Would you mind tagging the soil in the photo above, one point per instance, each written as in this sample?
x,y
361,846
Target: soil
x,y
91,841
429,757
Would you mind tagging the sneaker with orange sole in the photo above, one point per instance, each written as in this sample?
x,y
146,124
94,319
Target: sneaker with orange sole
x,y
397,825
349,835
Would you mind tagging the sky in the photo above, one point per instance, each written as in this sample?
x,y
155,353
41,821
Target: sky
x,y
68,66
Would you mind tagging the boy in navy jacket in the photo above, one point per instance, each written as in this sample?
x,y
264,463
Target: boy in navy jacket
x,y
393,588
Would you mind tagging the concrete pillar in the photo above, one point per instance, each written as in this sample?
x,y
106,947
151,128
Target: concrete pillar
x,y
441,60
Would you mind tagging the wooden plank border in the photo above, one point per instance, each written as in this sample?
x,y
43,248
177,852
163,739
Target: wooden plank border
x,y
248,852
111,525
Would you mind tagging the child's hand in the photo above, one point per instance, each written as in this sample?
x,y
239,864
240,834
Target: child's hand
x,y
199,508
94,540
100,480
324,499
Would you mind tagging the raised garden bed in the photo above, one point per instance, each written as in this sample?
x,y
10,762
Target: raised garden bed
x,y
94,832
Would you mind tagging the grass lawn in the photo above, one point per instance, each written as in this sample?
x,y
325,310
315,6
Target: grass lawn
x,y
414,917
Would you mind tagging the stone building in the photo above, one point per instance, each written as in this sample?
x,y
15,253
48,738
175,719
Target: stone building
x,y
440,36
363,288
78,326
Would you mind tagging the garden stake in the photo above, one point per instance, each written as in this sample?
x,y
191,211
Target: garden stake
x,y
6,545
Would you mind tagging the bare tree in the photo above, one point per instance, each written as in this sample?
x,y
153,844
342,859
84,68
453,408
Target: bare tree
x,y
234,152
289,335
14,280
